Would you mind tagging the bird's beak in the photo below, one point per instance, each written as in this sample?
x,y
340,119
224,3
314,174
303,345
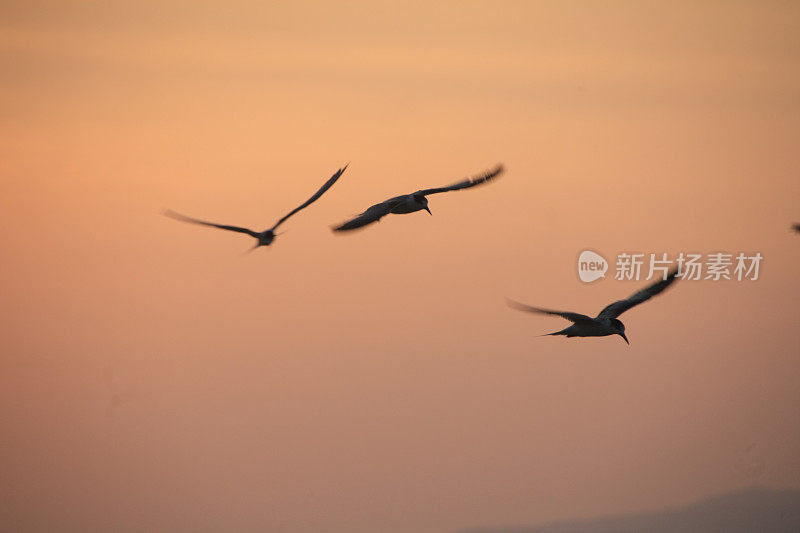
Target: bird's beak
x,y
428,210
624,337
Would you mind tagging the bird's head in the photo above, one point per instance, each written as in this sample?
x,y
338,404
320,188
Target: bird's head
x,y
420,199
619,328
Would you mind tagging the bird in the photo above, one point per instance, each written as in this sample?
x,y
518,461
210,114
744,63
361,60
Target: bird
x,y
606,322
796,227
263,238
410,203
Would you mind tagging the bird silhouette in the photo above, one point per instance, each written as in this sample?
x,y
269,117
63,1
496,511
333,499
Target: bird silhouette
x,y
796,227
606,322
410,203
263,238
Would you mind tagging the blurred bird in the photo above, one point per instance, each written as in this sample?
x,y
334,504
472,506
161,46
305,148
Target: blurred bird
x,y
796,227
410,203
605,323
264,238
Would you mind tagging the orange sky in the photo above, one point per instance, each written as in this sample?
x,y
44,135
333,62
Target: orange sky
x,y
153,378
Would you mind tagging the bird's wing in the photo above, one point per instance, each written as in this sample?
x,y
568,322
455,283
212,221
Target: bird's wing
x,y
184,218
373,214
466,183
328,184
619,307
572,317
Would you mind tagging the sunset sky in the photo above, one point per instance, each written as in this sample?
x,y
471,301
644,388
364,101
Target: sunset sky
x,y
154,378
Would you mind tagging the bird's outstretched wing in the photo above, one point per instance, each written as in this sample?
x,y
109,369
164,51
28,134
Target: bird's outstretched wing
x,y
466,183
373,214
328,184
184,218
572,317
619,307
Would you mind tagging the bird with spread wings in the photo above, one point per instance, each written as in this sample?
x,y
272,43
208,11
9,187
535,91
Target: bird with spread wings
x,y
263,238
410,203
606,322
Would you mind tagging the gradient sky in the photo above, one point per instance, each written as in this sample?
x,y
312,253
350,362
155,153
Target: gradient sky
x,y
155,379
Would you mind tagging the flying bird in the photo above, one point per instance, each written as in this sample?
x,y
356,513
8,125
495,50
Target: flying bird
x,y
606,322
264,238
796,227
410,203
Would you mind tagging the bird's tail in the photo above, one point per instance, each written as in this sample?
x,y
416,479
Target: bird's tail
x,y
562,332
251,249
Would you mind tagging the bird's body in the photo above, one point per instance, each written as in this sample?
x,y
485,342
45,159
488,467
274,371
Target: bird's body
x,y
263,238
411,203
606,322
589,328
408,203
